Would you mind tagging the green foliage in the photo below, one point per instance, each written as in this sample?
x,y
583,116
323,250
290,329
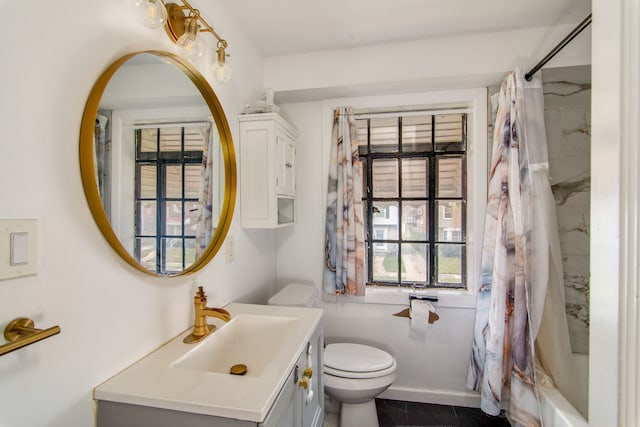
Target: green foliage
x,y
449,265
390,264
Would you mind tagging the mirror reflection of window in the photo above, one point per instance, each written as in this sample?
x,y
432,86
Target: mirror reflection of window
x,y
168,194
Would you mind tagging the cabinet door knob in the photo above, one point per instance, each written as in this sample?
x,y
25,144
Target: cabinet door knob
x,y
304,382
308,372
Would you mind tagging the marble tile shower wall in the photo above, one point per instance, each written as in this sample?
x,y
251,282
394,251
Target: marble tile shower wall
x,y
567,98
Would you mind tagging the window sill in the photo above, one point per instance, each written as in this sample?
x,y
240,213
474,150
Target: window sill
x,y
452,298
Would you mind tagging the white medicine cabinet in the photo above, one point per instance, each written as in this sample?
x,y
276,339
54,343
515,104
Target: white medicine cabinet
x,y
267,171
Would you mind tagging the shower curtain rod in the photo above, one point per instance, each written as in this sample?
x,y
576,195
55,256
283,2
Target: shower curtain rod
x,y
559,47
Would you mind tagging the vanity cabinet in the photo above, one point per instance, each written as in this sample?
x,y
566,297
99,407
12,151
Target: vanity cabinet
x,y
293,407
267,171
299,406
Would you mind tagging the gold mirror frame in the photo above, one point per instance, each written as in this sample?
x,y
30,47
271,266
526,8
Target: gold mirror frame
x,y
87,162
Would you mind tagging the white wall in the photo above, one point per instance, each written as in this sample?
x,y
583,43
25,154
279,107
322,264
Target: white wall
x,y
614,362
433,369
442,63
110,315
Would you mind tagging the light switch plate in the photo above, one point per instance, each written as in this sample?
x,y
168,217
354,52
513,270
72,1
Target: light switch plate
x,y
18,247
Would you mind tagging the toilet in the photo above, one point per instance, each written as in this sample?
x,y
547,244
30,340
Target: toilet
x,y
353,374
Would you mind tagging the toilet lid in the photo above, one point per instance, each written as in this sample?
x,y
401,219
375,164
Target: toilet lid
x,y
351,357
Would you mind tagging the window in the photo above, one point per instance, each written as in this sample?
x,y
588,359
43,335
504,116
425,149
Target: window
x,y
414,196
167,191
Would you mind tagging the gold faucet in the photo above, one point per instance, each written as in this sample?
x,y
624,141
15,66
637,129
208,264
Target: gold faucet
x,y
200,327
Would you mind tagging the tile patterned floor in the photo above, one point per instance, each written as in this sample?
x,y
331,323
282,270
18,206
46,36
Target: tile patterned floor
x,y
395,413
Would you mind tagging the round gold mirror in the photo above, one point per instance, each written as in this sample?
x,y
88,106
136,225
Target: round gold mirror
x,y
157,162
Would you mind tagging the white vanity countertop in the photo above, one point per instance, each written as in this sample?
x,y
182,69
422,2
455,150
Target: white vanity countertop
x,y
158,381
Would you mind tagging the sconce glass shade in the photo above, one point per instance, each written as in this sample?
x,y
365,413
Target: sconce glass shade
x,y
189,45
150,13
222,70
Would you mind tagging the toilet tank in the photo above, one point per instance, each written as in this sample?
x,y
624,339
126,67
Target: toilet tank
x,y
296,295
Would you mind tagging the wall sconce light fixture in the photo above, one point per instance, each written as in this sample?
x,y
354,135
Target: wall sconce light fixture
x,y
184,28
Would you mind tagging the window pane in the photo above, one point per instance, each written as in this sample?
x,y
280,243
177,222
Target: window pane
x,y
174,182
170,139
449,220
385,262
385,221
385,178
194,139
148,141
363,135
148,181
173,254
449,263
191,216
192,181
415,220
449,171
414,263
189,252
416,133
148,254
415,177
147,217
384,135
173,220
449,132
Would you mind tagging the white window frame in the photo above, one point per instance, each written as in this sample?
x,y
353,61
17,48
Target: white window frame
x,y
475,101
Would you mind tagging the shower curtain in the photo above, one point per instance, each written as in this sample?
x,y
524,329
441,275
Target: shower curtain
x,y
520,251
344,267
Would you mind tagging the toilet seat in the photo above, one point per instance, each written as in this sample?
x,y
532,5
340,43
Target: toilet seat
x,y
348,360
360,375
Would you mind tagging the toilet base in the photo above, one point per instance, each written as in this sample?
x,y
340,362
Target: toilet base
x,y
359,414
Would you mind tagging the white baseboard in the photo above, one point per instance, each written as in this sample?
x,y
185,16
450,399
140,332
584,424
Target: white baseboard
x,y
436,396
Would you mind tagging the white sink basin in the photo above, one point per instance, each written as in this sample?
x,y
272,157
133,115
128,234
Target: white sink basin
x,y
253,340
195,377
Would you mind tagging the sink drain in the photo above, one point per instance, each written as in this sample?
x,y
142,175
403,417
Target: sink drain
x,y
238,369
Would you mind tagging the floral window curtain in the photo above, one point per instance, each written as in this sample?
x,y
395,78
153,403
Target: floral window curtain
x,y
344,267
205,219
102,159
508,301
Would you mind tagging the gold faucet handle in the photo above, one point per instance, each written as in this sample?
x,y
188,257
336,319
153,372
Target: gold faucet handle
x,y
201,295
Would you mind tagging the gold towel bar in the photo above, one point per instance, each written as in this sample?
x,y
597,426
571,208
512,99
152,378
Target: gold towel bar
x,y
20,333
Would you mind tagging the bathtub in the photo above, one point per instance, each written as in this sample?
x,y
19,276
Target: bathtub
x,y
557,411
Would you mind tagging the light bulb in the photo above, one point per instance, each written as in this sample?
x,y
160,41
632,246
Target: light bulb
x,y
150,13
190,48
189,44
222,70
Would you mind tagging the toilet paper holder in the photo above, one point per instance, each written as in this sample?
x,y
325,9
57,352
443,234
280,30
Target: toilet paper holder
x,y
423,297
407,312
